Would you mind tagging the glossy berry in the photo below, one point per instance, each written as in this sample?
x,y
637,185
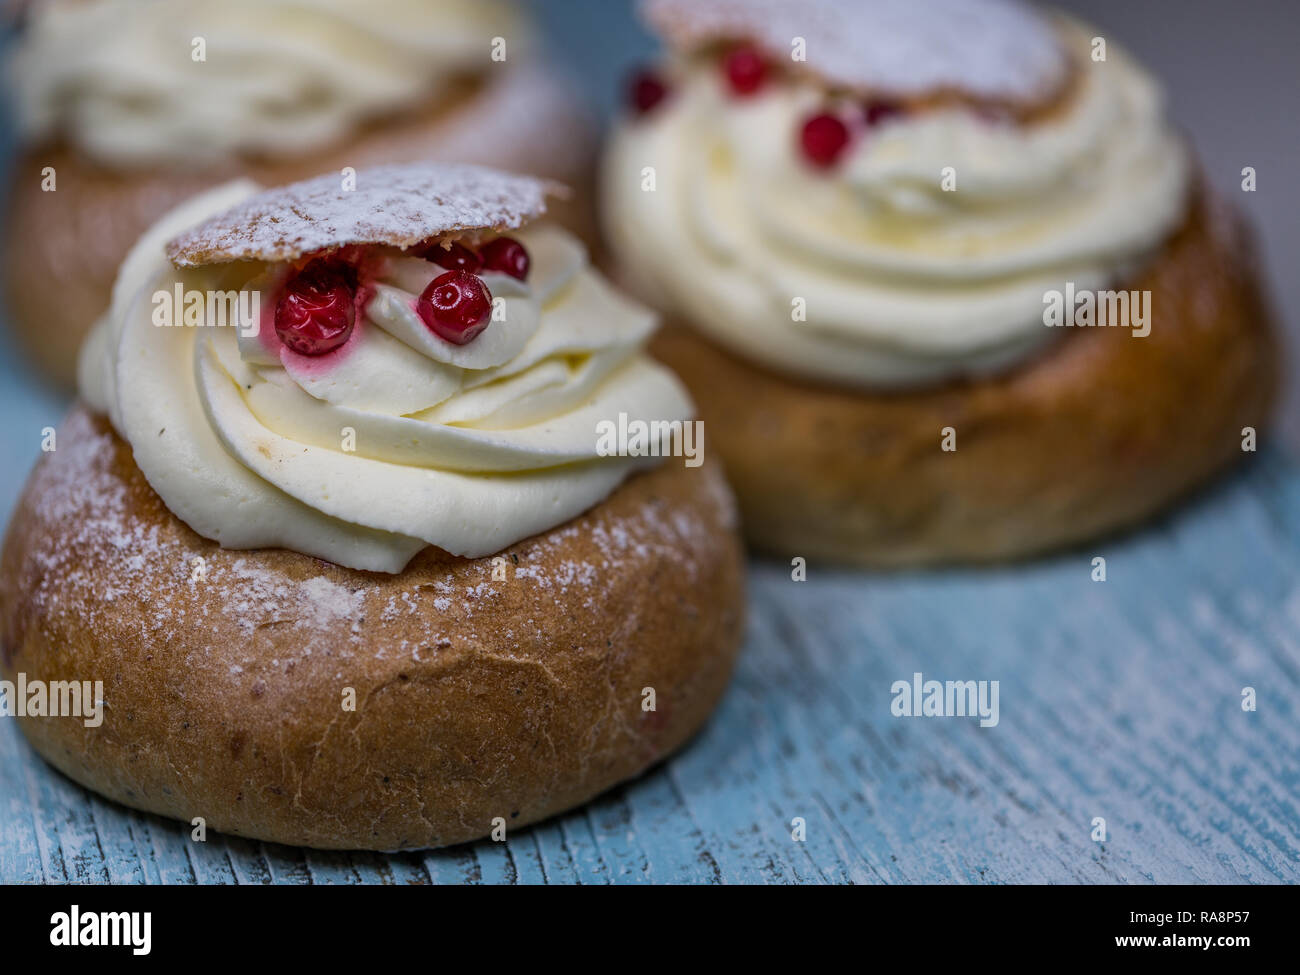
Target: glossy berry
x,y
823,139
316,313
745,70
645,91
879,110
454,258
508,256
456,306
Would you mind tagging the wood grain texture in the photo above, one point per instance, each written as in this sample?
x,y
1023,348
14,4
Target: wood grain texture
x,y
1118,699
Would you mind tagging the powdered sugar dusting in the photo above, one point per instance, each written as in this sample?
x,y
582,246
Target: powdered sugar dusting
x,y
394,205
84,512
1001,49
102,553
314,603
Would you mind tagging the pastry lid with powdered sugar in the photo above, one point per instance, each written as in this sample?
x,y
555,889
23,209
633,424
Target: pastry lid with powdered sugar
x,y
999,50
398,206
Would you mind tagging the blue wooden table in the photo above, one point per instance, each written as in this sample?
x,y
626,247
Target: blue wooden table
x,y
1118,699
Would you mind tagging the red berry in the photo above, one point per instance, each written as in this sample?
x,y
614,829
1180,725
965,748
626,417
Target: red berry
x,y
823,139
876,112
507,255
453,258
745,70
646,90
456,306
316,313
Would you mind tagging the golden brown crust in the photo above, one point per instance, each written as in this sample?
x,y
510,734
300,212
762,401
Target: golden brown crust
x,y
63,249
477,697
1095,434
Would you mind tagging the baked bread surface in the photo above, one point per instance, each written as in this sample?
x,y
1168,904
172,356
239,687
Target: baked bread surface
x,y
1097,432
507,687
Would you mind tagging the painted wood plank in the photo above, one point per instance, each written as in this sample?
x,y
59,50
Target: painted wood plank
x,y
1118,700
20,849
553,851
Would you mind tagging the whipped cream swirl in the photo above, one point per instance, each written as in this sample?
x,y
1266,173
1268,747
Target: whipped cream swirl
x,y
396,440
118,77
900,280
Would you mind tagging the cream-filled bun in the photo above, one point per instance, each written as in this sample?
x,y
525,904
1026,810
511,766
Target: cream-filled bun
x,y
342,442
128,107
869,215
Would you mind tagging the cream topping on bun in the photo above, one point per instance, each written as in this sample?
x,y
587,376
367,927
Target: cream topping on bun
x,y
147,81
411,375
887,227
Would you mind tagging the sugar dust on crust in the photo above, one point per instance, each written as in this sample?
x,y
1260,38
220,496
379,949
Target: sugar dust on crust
x,y
97,545
508,685
393,205
992,49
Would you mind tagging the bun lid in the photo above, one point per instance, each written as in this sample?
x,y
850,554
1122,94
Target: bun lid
x,y
996,50
398,206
